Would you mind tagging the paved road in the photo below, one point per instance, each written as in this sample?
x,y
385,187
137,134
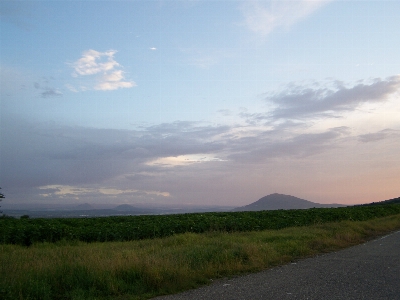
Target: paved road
x,y
367,271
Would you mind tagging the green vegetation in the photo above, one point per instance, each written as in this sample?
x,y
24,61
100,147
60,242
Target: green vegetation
x,y
147,268
26,231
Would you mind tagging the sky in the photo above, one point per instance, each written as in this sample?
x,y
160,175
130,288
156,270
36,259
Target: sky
x,y
199,102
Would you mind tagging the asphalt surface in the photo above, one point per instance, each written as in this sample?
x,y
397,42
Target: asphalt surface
x,y
366,271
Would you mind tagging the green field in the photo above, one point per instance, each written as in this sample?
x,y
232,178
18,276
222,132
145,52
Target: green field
x,y
66,266
106,229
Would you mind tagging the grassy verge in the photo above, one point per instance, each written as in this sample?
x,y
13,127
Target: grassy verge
x,y
147,268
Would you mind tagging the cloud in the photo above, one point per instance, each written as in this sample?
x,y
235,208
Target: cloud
x,y
302,102
51,93
196,160
183,160
73,156
378,136
178,162
273,144
78,191
47,92
113,191
41,154
93,62
265,16
104,68
113,81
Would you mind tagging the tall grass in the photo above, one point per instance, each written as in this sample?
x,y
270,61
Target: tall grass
x,y
146,268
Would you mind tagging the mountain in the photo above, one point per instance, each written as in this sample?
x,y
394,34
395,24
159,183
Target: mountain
x,y
280,201
390,201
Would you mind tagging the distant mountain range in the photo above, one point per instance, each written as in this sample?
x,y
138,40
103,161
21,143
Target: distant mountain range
x,y
280,201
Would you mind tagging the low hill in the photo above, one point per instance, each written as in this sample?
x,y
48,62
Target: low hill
x,y
390,201
280,201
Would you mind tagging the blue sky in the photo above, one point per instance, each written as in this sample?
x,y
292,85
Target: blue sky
x,y
199,102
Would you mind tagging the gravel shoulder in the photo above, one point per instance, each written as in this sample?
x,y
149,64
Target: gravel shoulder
x,y
367,271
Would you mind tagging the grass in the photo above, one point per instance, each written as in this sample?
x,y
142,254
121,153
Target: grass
x,y
147,268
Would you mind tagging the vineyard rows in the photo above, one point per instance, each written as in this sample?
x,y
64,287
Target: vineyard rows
x,y
27,231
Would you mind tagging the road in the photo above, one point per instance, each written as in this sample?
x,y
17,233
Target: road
x,y
366,271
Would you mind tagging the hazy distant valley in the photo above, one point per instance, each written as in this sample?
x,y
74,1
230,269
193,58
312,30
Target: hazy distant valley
x,y
89,210
270,202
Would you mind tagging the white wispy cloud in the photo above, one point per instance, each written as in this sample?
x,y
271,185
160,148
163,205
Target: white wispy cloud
x,y
104,68
68,190
93,62
113,81
183,160
265,16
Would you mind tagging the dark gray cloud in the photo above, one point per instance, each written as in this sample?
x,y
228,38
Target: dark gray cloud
x,y
302,102
377,136
40,154
47,92
46,153
276,145
47,158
